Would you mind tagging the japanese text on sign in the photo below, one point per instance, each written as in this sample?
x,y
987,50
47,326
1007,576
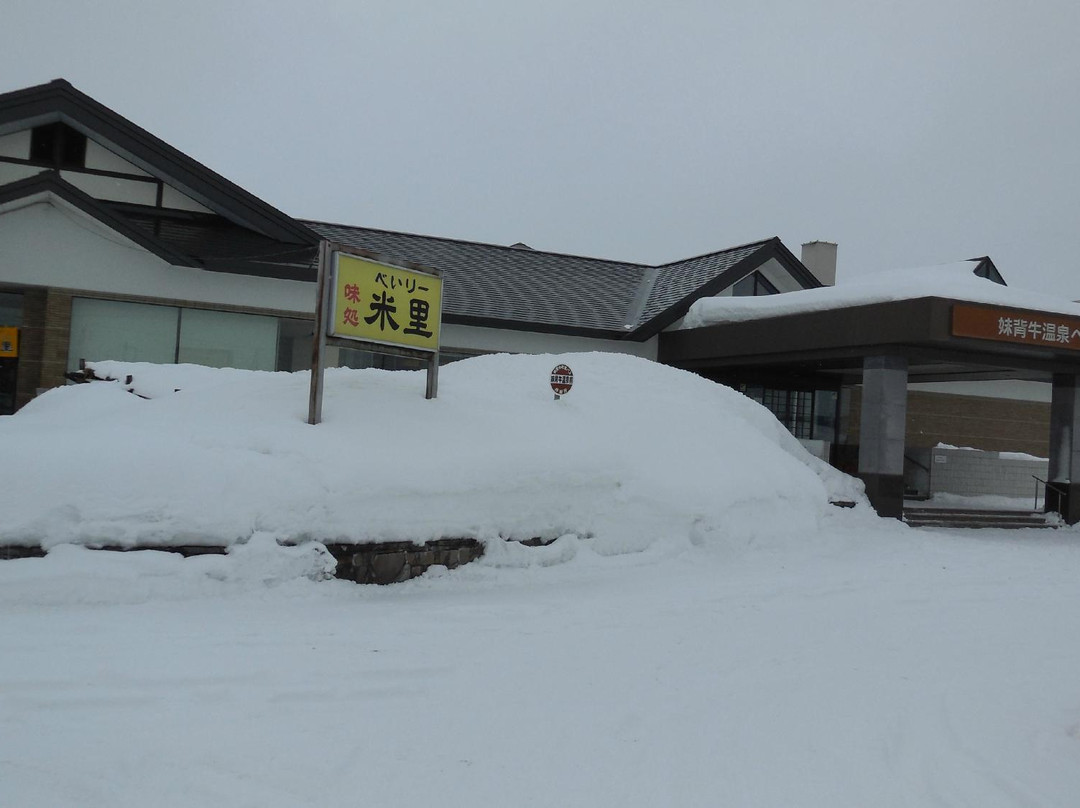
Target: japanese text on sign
x,y
1006,325
379,303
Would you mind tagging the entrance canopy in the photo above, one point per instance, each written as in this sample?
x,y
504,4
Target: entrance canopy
x,y
952,323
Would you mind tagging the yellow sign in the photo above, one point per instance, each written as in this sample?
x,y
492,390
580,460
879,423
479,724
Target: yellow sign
x,y
9,342
376,302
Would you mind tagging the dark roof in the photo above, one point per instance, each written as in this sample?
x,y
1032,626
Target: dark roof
x,y
485,284
489,284
59,101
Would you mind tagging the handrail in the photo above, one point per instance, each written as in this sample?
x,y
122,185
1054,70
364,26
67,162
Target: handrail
x,y
1048,484
912,460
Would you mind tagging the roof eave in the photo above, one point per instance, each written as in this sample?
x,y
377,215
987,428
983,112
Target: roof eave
x,y
50,183
59,100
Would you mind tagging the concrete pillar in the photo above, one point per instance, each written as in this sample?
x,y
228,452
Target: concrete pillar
x,y
882,428
1063,495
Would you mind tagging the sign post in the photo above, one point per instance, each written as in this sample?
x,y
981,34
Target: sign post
x,y
562,379
365,301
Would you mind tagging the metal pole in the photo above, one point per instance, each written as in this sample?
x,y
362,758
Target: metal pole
x,y
318,347
433,376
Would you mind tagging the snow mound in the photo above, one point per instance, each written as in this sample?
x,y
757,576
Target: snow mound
x,y
637,451
70,574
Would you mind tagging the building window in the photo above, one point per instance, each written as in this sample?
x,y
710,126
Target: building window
x,y
143,332
805,413
58,145
11,309
753,285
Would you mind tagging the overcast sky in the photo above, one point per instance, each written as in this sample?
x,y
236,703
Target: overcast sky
x,y
911,133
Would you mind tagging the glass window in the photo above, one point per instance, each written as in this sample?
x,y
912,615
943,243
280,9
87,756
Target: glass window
x,y
223,339
294,344
10,309
825,404
128,332
753,285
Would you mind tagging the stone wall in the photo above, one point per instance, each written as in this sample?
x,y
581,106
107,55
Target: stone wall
x,y
391,562
383,563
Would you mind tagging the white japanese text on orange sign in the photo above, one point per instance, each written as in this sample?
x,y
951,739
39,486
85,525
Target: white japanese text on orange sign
x,y
1036,330
380,303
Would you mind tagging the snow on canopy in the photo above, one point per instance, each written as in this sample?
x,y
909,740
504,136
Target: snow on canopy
x,y
955,281
635,451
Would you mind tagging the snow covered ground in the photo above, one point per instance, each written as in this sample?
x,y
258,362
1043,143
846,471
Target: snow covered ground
x,y
755,651
847,666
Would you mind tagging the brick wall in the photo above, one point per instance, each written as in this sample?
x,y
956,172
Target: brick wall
x,y
993,424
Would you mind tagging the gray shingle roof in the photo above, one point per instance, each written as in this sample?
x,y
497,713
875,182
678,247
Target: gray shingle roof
x,y
677,280
549,291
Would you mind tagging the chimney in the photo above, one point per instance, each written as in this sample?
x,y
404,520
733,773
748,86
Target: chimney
x,y
820,258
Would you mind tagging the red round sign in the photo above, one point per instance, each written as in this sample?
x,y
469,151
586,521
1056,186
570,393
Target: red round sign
x,y
562,379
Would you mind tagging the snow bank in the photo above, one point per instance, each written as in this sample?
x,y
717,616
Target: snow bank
x,y
213,456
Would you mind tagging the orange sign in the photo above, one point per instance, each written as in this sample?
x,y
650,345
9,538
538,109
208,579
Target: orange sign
x,y
9,342
1035,328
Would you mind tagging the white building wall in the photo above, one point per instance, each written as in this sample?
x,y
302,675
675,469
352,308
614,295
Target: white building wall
x,y
969,472
172,198
100,158
54,245
471,338
136,192
9,172
16,144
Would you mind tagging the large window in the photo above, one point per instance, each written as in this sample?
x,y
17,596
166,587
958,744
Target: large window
x,y
223,339
141,332
127,332
806,413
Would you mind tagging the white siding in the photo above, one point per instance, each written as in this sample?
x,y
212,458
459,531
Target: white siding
x,y
11,173
115,190
47,245
172,198
99,157
497,339
779,277
16,144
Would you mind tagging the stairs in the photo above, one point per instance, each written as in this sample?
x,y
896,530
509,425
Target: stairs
x,y
969,518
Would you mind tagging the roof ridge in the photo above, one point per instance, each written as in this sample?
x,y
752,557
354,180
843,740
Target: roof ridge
x,y
510,248
191,176
758,243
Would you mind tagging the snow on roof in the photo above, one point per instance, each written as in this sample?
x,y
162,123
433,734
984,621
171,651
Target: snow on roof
x,y
954,281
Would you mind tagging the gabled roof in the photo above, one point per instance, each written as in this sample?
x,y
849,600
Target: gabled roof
x,y
486,284
182,239
59,101
678,284
511,287
48,183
